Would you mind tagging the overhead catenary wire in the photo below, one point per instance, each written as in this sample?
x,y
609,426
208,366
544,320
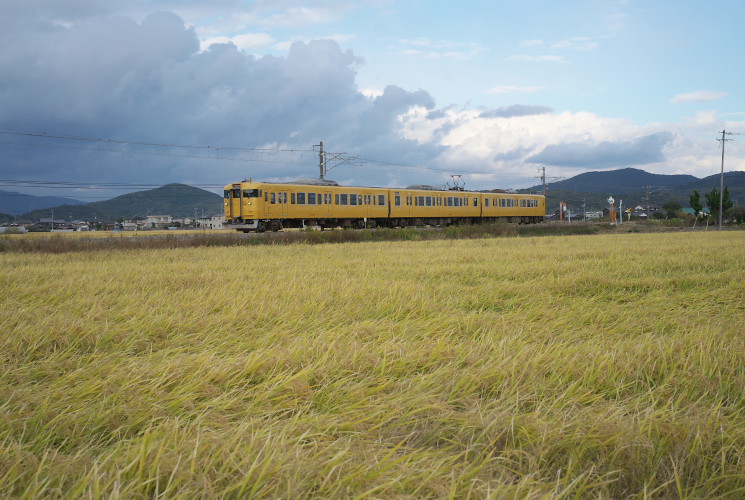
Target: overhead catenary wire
x,y
290,156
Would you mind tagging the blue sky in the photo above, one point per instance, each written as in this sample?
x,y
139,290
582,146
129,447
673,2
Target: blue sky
x,y
414,90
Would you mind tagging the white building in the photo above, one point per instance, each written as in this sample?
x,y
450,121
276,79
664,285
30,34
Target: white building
x,y
157,221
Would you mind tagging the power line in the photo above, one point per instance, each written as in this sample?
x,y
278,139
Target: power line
x,y
232,153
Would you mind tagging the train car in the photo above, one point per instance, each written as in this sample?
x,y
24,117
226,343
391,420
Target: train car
x,y
262,206
513,207
426,205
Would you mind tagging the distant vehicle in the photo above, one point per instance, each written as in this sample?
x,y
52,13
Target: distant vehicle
x,y
261,206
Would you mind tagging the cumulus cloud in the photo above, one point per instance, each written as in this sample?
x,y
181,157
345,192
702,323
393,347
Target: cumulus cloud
x,y
150,81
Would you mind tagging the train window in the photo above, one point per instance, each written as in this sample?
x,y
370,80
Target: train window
x,y
311,198
284,197
319,199
266,195
486,202
272,198
301,198
336,199
236,193
344,199
353,199
292,198
226,194
247,193
381,200
475,201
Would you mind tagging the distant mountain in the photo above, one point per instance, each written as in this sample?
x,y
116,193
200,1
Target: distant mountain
x,y
176,200
13,203
626,180
636,187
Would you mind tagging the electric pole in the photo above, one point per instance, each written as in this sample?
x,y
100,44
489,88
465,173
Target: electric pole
x,y
321,160
543,179
721,177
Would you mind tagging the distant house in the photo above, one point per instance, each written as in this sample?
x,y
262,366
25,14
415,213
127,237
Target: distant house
x,y
648,209
157,221
53,223
213,222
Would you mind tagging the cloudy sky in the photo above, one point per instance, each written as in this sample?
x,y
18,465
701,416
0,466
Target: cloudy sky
x,y
100,97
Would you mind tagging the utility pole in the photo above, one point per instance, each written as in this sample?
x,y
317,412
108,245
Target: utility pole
x,y
721,177
543,179
321,160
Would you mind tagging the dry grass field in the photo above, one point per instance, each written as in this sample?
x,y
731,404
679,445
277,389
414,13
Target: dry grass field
x,y
603,366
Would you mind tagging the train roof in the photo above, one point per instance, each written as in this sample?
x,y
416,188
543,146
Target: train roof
x,y
414,187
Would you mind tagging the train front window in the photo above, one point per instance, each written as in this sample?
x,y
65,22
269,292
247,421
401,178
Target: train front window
x,y
236,192
226,194
248,193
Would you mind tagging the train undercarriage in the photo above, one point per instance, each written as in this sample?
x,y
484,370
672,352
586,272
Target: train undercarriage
x,y
263,225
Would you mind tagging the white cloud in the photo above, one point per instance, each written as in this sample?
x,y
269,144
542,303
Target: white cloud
x,y
500,145
700,96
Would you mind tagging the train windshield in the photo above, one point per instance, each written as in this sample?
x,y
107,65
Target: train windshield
x,y
250,193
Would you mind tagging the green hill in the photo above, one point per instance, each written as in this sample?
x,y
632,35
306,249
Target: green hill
x,y
176,200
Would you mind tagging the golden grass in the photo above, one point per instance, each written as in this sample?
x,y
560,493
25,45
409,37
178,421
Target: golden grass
x,y
112,234
587,366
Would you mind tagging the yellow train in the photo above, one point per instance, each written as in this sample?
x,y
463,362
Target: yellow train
x,y
262,206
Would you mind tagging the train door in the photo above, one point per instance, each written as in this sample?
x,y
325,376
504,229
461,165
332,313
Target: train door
x,y
271,210
326,198
409,204
235,202
278,204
